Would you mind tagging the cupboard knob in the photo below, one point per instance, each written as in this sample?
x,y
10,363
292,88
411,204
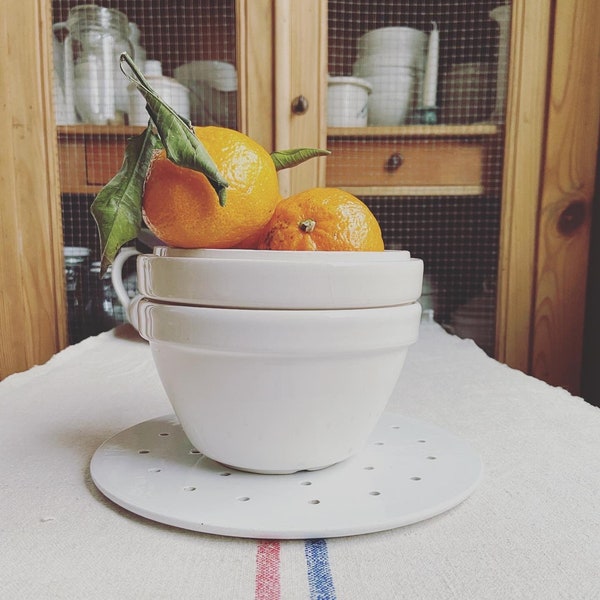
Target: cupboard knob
x,y
394,162
299,105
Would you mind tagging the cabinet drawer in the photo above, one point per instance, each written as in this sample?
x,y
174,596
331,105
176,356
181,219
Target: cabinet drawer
x,y
91,155
103,159
406,167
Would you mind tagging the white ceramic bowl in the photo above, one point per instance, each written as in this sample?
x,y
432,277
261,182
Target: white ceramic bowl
x,y
347,99
388,109
373,62
279,279
277,391
389,71
403,41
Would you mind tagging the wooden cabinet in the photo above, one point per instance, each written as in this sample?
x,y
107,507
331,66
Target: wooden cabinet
x,y
548,173
547,218
548,162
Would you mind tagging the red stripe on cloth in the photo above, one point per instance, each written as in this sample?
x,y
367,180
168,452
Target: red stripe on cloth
x,y
268,585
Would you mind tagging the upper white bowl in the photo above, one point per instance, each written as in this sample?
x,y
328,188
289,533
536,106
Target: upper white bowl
x,y
269,279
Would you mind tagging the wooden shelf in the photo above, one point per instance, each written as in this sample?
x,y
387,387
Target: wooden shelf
x,y
453,164
426,131
99,130
450,191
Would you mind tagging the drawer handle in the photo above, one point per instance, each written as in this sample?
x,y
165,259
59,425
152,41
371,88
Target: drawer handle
x,y
299,105
394,162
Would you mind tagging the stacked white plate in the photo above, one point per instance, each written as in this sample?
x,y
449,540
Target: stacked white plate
x,y
392,60
213,91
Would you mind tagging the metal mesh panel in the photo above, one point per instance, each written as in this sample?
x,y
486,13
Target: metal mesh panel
x,y
455,233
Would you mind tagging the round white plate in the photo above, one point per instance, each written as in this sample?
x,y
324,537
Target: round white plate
x,y
410,470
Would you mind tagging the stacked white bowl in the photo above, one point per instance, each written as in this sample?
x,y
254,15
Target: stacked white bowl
x,y
276,361
392,60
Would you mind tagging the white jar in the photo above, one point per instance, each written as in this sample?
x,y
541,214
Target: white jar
x,y
177,96
347,101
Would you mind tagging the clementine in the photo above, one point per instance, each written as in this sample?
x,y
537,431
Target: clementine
x,y
322,219
182,209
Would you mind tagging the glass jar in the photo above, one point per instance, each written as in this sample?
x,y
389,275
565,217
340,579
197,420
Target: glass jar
x,y
97,37
76,261
106,310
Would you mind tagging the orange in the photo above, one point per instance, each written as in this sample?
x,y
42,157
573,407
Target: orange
x,y
182,209
322,219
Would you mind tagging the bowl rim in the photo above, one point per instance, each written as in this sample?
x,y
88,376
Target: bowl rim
x,y
295,256
273,332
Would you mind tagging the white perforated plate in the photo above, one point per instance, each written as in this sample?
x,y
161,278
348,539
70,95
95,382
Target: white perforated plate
x,y
410,470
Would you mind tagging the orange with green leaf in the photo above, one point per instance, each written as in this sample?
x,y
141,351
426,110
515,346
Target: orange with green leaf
x,y
212,187
194,186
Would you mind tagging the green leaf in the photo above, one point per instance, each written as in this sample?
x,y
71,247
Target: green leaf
x,y
284,159
177,136
117,209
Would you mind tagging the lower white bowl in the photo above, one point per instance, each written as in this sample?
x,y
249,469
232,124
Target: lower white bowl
x,y
277,391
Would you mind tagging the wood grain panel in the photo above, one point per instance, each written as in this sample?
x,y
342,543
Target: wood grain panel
x,y
301,69
255,72
524,144
32,315
569,171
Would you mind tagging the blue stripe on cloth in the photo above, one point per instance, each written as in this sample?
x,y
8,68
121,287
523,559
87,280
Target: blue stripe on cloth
x,y
320,581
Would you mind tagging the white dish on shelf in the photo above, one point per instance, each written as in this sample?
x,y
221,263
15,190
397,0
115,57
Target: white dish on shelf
x,y
398,41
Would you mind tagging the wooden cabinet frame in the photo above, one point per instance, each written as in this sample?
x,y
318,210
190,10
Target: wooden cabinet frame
x,y
32,297
549,166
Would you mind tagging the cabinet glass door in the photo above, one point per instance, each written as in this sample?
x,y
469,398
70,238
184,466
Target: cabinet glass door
x,y
187,50
416,102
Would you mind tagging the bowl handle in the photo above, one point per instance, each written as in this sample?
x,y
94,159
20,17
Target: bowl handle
x,y
116,276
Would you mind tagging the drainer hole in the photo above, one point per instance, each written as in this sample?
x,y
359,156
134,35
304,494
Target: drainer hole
x,y
375,493
163,434
154,470
194,451
421,441
189,488
432,458
369,468
315,501
243,498
225,474
415,478
306,483
378,443
143,451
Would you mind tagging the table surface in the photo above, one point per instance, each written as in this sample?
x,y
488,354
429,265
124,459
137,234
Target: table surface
x,y
530,530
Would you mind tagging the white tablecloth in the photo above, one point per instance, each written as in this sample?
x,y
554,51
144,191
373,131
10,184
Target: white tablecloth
x,y
530,530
